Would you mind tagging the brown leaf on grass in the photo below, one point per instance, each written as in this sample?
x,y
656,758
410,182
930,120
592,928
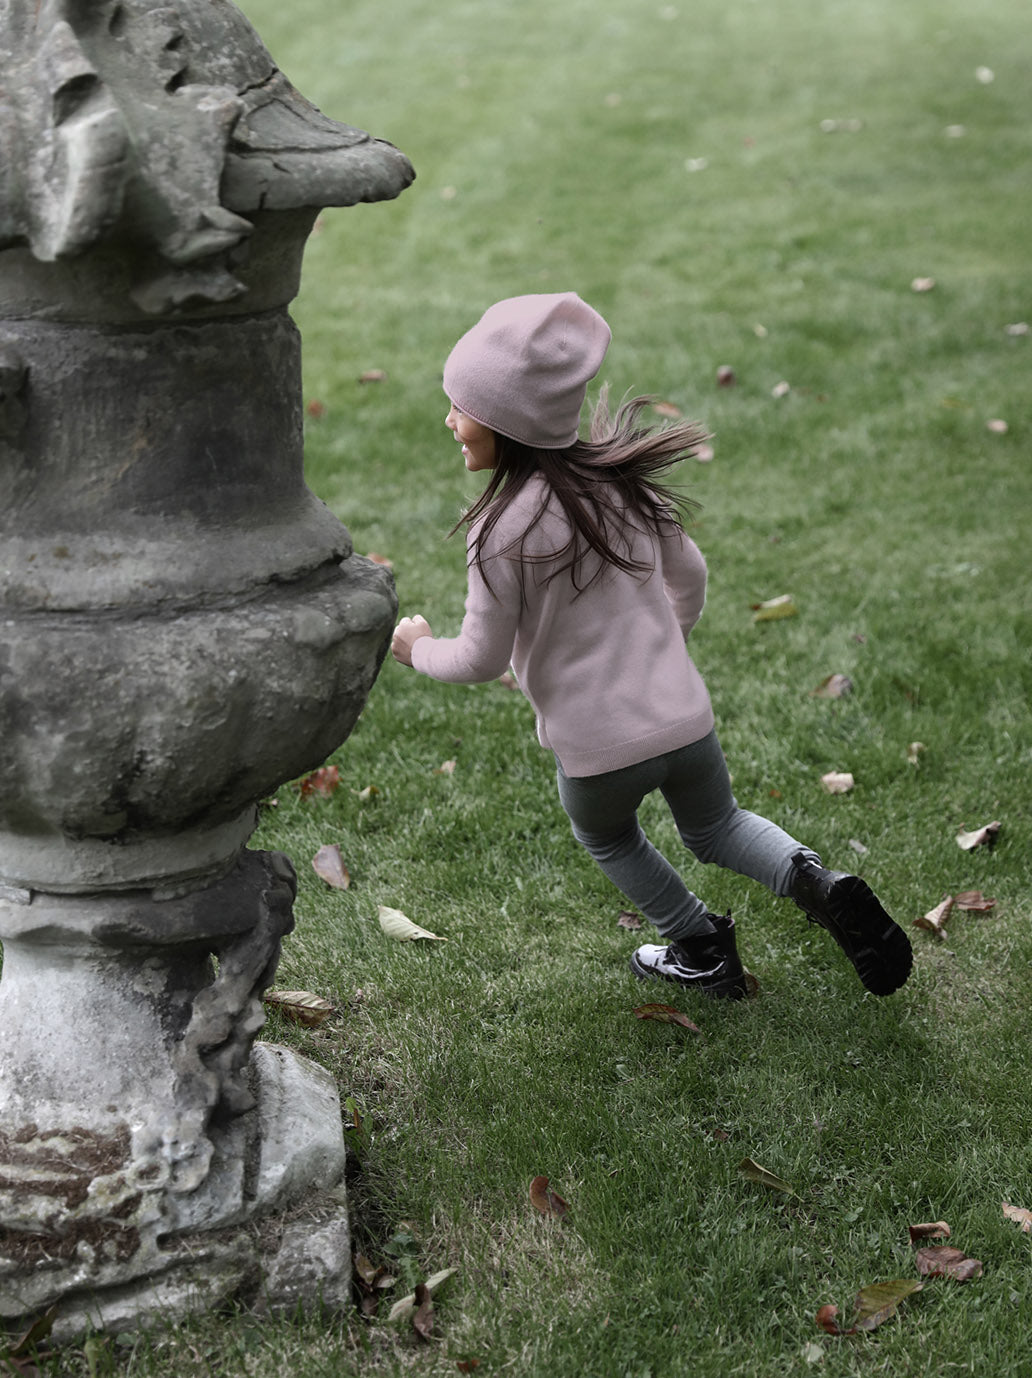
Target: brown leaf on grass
x,y
467,1365
837,782
371,1281
922,284
423,1320
666,1014
997,425
703,453
378,559
914,752
878,1301
404,1308
752,986
726,376
872,1305
508,681
328,865
774,609
943,1261
300,1005
445,768
1021,1215
667,409
974,900
833,687
935,920
629,919
373,375
316,409
370,792
825,1318
753,1172
931,1229
979,837
548,1202
322,781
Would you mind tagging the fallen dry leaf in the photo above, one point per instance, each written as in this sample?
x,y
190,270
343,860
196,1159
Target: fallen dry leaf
x,y
445,768
997,426
878,1301
1021,1215
328,865
629,919
316,409
300,1005
753,1172
974,900
397,925
935,920
726,376
666,1014
774,609
372,1281
914,751
373,375
922,284
980,837
548,1202
838,782
943,1261
703,453
423,1320
467,1365
402,1309
833,687
370,792
378,559
781,389
872,1305
322,781
667,409
1018,328
931,1229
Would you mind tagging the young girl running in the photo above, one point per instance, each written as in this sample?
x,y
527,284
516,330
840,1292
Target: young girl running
x,y
582,578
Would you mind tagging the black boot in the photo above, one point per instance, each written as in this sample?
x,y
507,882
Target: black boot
x,y
708,963
849,909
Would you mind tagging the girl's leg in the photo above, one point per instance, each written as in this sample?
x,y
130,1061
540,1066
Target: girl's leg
x,y
712,826
603,812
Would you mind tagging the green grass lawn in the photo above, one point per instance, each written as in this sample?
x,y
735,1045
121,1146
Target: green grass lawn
x,y
668,162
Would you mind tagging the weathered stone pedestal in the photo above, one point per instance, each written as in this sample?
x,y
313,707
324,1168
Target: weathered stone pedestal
x,y
183,626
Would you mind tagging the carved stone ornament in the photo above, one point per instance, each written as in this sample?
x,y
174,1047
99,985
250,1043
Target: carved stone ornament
x,y
183,626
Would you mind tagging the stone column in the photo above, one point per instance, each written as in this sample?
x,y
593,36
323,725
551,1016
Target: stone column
x,y
183,626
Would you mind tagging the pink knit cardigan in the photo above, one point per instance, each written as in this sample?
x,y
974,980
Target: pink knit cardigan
x,y
606,670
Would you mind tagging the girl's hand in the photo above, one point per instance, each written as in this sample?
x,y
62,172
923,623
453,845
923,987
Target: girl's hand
x,y
408,630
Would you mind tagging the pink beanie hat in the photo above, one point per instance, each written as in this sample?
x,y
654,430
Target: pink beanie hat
x,y
524,368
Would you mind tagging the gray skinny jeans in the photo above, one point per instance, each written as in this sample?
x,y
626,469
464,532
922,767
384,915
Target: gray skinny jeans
x,y
695,784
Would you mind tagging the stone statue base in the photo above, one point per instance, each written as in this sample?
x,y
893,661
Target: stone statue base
x,y
288,1243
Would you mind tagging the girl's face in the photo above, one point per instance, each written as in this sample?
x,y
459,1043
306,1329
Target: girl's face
x,y
477,441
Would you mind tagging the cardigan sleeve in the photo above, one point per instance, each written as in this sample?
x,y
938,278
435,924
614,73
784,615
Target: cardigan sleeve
x,y
482,650
684,577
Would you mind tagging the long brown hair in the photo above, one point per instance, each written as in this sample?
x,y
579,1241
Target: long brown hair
x,y
602,484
